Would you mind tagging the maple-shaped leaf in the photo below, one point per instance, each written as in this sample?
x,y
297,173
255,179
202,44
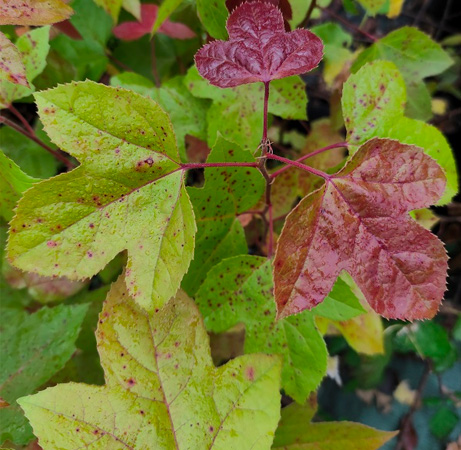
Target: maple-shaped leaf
x,y
258,49
11,66
162,390
358,222
129,31
227,192
128,194
297,432
237,113
373,102
239,290
33,12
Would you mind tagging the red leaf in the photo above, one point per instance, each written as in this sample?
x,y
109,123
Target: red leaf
x,y
68,29
258,49
129,31
358,222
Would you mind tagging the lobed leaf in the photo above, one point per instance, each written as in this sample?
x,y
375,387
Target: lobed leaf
x,y
239,290
11,66
258,49
373,106
162,390
358,222
128,194
33,12
227,192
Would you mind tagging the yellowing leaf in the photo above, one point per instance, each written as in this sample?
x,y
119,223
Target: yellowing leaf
x,y
33,12
162,390
128,194
11,66
395,8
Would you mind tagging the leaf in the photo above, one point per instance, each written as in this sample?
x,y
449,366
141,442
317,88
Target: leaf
x,y
33,47
130,31
33,12
213,16
294,433
226,193
416,56
373,101
237,113
33,348
258,49
239,290
165,10
128,194
187,113
357,222
33,159
133,7
372,6
395,8
11,66
162,390
13,182
113,7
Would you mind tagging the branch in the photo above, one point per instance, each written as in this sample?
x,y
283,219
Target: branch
x,y
310,155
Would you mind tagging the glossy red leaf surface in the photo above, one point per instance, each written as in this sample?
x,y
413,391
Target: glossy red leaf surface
x,y
129,31
258,49
359,222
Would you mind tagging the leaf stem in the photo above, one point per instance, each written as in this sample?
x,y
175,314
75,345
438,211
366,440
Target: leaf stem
x,y
266,105
69,164
309,155
22,119
348,24
154,62
299,166
187,166
312,6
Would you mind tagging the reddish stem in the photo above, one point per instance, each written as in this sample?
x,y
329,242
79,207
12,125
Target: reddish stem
x,y
266,105
300,166
33,137
22,119
348,24
187,166
310,155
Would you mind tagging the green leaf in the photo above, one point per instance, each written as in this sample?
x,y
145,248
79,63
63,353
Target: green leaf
x,y
226,193
13,182
296,433
239,290
429,340
33,348
31,158
443,422
372,6
13,69
237,113
162,390
113,7
165,10
33,47
213,16
373,106
187,113
416,56
128,194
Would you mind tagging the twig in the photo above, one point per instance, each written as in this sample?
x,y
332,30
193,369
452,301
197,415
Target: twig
x,y
154,62
69,164
306,19
22,119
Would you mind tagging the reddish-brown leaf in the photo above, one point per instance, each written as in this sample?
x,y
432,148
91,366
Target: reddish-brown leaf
x,y
129,31
358,222
258,49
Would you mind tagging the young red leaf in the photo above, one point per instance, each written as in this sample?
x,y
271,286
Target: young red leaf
x,y
129,31
258,49
358,222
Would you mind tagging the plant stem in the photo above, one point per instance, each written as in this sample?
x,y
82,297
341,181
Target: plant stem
x,y
266,105
297,164
309,155
154,62
33,137
187,166
309,14
22,119
348,24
